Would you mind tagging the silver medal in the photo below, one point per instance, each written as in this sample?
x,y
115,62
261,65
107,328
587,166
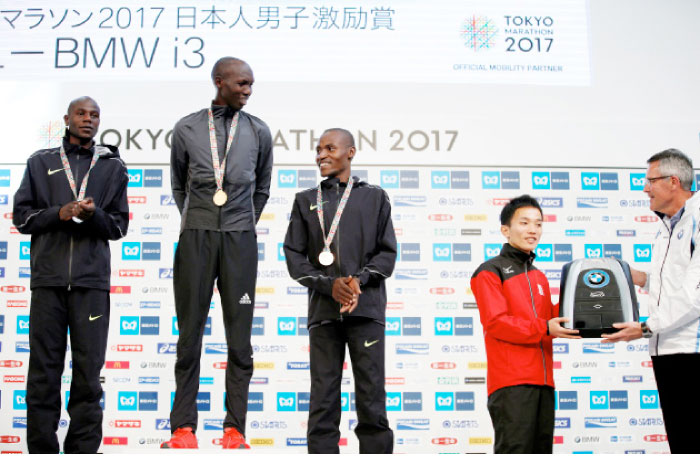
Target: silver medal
x,y
326,258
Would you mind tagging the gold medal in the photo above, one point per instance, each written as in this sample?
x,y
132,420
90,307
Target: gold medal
x,y
220,197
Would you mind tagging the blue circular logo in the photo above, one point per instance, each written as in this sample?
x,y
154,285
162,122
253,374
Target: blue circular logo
x,y
596,278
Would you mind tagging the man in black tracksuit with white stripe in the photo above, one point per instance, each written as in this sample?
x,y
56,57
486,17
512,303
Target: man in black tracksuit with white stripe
x,y
347,298
70,276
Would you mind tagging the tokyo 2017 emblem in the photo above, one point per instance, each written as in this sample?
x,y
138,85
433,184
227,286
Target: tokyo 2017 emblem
x,y
51,133
478,33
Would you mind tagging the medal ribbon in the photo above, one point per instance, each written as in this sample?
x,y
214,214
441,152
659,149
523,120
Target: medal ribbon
x,y
79,196
220,169
338,213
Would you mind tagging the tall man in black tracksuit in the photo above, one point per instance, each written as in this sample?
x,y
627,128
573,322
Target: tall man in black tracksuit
x,y
221,164
72,200
344,263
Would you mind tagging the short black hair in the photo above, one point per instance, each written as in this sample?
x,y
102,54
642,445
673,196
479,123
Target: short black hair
x,y
74,102
348,136
223,62
515,204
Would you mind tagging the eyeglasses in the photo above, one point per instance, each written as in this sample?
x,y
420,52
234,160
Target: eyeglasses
x,y
650,180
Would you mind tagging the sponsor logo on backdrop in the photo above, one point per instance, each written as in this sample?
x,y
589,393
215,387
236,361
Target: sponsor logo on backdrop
x,y
479,33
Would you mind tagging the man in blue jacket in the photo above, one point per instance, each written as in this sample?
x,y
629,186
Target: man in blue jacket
x,y
72,200
341,244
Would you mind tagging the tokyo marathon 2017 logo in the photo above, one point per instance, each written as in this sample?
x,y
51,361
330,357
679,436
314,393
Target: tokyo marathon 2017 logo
x,y
51,133
479,33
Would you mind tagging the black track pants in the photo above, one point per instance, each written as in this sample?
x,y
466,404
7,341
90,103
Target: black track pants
x,y
677,382
523,419
230,259
85,311
365,340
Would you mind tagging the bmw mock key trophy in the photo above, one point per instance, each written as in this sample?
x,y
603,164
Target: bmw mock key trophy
x,y
595,293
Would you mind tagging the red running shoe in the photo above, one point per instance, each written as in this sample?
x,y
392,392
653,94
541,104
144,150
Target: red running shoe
x,y
233,440
181,438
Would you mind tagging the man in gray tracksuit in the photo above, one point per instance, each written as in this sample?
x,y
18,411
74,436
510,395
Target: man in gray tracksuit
x,y
221,164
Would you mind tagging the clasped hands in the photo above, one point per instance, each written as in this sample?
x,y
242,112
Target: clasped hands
x,y
82,209
346,291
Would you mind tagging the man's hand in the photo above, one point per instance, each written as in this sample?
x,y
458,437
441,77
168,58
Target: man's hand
x,y
67,211
354,284
639,278
345,291
628,331
85,208
557,330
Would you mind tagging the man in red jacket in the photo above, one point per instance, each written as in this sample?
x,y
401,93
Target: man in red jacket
x,y
519,322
